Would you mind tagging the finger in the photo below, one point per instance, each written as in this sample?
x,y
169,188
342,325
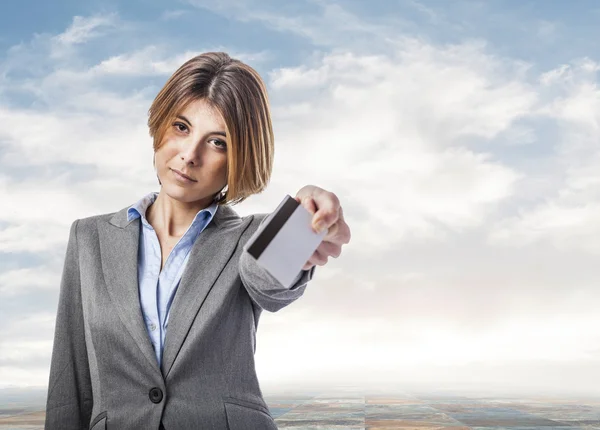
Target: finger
x,y
307,266
322,260
332,233
318,258
339,233
330,249
327,209
309,204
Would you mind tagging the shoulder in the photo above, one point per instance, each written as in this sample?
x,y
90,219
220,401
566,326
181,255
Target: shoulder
x,y
256,220
90,223
253,223
95,218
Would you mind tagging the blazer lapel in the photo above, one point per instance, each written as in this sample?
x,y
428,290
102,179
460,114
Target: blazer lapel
x,y
211,251
119,244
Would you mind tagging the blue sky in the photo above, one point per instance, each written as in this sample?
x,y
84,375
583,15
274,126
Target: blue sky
x,y
461,138
524,29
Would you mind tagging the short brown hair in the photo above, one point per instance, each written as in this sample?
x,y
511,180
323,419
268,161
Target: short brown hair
x,y
237,91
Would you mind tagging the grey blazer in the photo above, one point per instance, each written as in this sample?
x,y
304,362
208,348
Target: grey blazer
x,y
104,373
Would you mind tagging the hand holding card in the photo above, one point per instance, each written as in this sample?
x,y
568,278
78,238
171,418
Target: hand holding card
x,y
285,241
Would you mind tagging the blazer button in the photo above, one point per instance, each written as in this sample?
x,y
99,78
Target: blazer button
x,y
155,395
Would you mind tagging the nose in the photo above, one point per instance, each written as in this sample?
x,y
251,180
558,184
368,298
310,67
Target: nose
x,y
192,152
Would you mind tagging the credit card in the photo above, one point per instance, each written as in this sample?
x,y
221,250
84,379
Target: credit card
x,y
285,240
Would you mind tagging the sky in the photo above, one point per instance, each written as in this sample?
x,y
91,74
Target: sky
x,y
461,138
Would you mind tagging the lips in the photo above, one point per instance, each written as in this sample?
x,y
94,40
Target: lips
x,y
184,175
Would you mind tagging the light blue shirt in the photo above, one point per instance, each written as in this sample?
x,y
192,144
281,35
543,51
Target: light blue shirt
x,y
157,288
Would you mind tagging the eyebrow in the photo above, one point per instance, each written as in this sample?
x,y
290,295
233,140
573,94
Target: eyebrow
x,y
220,133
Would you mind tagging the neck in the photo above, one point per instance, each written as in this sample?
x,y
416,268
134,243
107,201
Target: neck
x,y
172,217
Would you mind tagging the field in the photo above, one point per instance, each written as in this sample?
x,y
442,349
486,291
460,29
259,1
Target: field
x,y
353,409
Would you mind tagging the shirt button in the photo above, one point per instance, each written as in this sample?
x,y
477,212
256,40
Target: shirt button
x,y
152,326
155,395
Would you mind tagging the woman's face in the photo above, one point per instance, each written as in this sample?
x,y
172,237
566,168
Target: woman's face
x,y
195,144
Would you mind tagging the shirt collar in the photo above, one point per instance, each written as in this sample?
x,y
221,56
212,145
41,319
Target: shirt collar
x,y
138,209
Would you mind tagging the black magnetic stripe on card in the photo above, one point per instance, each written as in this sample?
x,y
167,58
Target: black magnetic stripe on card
x,y
272,228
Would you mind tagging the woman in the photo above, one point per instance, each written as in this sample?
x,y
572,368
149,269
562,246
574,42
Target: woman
x,y
159,303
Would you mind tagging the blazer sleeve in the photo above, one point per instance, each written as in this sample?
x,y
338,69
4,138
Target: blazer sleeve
x,y
69,401
264,289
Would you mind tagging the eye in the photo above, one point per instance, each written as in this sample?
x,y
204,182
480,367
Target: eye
x,y
220,142
178,125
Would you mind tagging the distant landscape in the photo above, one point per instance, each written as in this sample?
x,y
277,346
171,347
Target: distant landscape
x,y
19,400
348,407
22,408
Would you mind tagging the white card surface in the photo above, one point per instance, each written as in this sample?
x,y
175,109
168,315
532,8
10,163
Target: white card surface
x,y
285,241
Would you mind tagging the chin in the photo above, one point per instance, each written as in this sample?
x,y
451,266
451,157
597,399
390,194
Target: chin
x,y
185,195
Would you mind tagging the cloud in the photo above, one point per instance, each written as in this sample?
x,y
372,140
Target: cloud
x,y
63,141
25,348
22,280
449,267
323,23
141,63
547,31
152,60
399,125
83,29
566,218
173,14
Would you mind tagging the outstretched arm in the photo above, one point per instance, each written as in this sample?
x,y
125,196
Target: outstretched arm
x,y
263,288
327,213
69,402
